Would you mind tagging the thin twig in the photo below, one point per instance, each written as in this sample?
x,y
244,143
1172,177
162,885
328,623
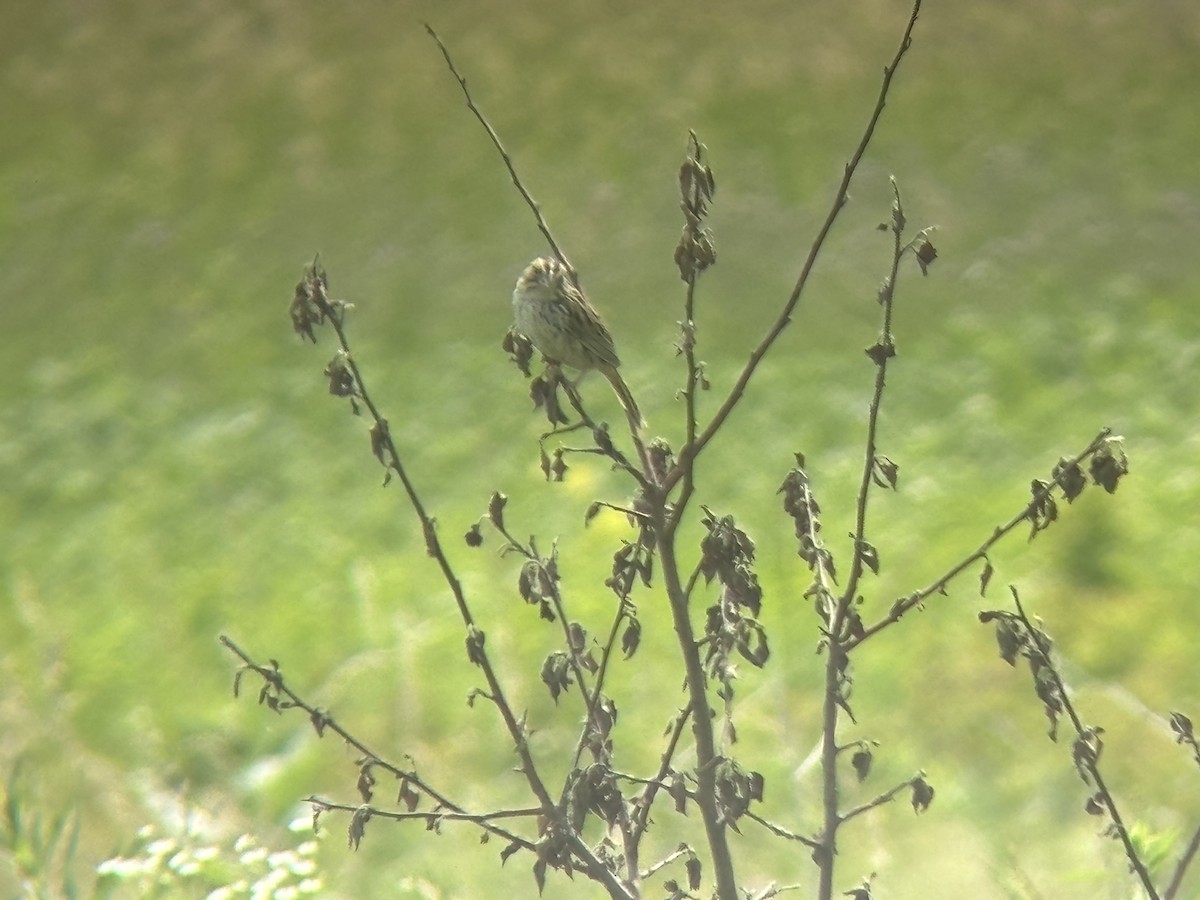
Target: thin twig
x,y
323,722
385,449
886,797
623,605
681,850
543,227
694,577
531,554
1091,761
885,345
433,817
534,206
642,806
688,336
774,890
1181,868
780,831
906,604
839,643
825,854
644,478
387,453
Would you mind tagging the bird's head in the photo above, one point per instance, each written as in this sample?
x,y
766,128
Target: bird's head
x,y
543,278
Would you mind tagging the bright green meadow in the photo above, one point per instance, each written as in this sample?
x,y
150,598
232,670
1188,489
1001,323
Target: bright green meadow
x,y
174,468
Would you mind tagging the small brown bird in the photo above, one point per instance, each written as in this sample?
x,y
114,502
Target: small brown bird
x,y
553,313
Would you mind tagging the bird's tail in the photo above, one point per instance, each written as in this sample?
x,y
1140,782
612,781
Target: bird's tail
x,y
636,421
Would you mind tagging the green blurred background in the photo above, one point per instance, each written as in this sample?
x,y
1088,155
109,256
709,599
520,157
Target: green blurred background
x,y
174,469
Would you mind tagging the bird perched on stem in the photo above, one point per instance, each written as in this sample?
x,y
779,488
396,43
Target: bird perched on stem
x,y
554,314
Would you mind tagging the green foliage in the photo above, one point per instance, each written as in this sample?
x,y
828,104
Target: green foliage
x,y
40,849
184,866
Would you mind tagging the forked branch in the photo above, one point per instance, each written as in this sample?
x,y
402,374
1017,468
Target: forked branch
x,y
693,449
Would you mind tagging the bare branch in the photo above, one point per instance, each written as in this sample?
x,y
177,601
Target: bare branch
x,y
680,851
315,285
1185,861
696,683
322,721
1089,761
432,817
881,353
886,797
534,206
642,806
906,604
693,255
780,831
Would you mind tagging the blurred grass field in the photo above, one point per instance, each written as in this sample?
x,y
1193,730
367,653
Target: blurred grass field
x,y
173,467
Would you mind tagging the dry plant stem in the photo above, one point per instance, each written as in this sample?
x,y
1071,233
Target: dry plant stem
x,y
838,647
641,813
826,855
702,730
328,723
533,205
594,867
433,547
679,598
838,641
602,668
900,607
682,850
864,487
774,890
530,553
780,831
1093,767
1181,869
693,448
592,696
433,818
693,379
645,477
886,797
689,399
